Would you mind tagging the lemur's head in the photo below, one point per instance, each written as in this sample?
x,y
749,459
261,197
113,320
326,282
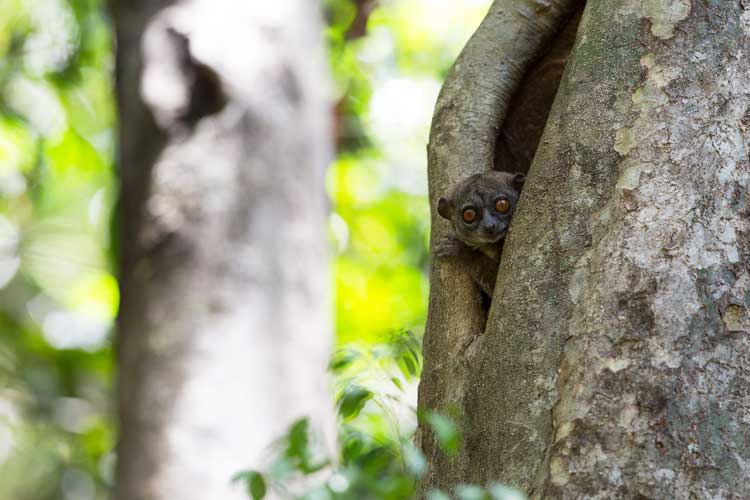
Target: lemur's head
x,y
480,206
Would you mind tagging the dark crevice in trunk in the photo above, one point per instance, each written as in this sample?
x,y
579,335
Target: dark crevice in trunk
x,y
530,106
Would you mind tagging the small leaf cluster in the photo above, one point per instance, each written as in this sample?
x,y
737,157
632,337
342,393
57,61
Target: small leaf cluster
x,y
376,457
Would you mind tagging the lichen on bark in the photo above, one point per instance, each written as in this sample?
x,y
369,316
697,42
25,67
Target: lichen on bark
x,y
613,362
668,264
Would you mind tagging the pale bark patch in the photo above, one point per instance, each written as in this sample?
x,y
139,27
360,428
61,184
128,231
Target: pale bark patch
x,y
664,16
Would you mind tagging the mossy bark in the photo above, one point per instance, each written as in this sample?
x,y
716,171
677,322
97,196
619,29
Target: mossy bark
x,y
614,361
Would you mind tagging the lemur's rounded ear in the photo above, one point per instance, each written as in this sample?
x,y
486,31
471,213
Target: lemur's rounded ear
x,y
517,181
445,208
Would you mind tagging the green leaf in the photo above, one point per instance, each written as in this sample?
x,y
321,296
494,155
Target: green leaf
x,y
445,430
353,447
352,400
342,359
312,468
254,482
298,449
406,351
414,459
299,439
410,364
397,383
257,486
376,461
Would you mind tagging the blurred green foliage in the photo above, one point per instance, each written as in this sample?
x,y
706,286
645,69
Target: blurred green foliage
x,y
58,296
58,291
387,80
374,461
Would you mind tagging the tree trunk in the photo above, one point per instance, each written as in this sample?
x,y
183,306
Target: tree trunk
x,y
223,330
614,359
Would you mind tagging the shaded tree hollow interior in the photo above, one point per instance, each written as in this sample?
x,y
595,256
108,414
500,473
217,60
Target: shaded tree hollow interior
x,y
520,133
529,108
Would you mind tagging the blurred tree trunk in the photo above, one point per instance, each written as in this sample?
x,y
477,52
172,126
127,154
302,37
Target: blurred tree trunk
x,y
614,361
223,331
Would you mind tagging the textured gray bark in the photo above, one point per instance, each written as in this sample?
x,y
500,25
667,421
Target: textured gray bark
x,y
614,363
223,330
467,119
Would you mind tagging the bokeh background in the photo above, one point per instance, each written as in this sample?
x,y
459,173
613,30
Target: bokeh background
x,y
58,188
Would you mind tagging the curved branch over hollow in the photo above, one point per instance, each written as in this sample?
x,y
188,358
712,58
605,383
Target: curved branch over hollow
x,y
614,362
468,114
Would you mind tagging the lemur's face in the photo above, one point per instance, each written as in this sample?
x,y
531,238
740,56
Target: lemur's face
x,y
480,207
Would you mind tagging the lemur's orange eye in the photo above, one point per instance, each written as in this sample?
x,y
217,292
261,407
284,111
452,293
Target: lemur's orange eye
x,y
470,215
502,205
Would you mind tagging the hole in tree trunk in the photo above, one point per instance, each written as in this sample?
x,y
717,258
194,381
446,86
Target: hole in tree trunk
x,y
527,114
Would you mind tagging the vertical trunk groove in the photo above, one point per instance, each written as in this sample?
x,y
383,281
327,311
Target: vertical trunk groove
x,y
614,363
468,115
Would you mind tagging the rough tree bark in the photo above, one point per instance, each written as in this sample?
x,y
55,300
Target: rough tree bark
x,y
468,114
614,363
223,330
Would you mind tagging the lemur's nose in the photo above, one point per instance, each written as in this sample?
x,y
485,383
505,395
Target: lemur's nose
x,y
490,226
